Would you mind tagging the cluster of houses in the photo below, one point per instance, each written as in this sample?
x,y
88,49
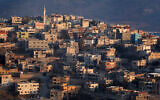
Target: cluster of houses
x,y
60,57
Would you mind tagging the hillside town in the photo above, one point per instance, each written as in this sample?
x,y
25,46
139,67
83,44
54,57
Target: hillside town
x,y
67,57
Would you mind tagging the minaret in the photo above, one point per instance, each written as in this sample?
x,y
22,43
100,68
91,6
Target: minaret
x,y
44,15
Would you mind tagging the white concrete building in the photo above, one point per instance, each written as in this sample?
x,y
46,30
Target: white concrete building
x,y
6,80
37,44
25,88
16,20
85,23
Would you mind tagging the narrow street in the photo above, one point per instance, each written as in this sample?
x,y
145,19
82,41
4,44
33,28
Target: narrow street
x,y
44,91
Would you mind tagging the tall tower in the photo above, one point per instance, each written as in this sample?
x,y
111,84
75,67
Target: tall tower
x,y
44,15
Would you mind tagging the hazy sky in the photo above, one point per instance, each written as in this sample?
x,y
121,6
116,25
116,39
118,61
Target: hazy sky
x,y
143,14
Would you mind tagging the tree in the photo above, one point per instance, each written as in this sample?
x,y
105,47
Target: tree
x,y
26,19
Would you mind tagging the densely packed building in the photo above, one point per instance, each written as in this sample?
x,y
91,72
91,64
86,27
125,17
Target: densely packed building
x,y
61,57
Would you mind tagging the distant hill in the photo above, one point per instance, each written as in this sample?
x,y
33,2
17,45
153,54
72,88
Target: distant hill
x,y
143,14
